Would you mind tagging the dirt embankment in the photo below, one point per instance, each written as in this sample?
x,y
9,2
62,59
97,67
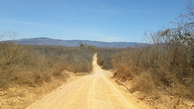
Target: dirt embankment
x,y
19,97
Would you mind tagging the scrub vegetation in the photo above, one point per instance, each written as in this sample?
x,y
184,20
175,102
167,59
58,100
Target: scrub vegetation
x,y
28,72
163,71
105,57
31,65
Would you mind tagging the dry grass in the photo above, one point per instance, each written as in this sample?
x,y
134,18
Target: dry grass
x,y
157,70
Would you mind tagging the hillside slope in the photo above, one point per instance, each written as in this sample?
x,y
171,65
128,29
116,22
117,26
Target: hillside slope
x,y
73,43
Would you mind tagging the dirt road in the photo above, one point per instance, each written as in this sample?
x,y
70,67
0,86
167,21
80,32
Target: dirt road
x,y
92,91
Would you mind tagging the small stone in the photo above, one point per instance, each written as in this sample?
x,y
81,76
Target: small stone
x,y
19,98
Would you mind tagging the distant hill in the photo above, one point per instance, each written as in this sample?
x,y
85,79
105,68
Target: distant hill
x,y
73,43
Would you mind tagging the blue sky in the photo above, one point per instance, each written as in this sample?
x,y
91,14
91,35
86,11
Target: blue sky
x,y
99,20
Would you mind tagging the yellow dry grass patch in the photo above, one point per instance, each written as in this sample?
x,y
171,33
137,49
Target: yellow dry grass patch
x,y
19,97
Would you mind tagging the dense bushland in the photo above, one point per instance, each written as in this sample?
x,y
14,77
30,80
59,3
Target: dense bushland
x,y
76,59
165,67
105,57
33,65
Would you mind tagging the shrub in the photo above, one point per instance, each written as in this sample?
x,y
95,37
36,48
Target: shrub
x,y
33,65
105,57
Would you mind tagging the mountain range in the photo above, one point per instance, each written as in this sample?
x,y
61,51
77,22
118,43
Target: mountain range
x,y
73,43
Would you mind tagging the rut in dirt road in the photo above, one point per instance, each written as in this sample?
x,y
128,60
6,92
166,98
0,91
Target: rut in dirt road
x,y
93,91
